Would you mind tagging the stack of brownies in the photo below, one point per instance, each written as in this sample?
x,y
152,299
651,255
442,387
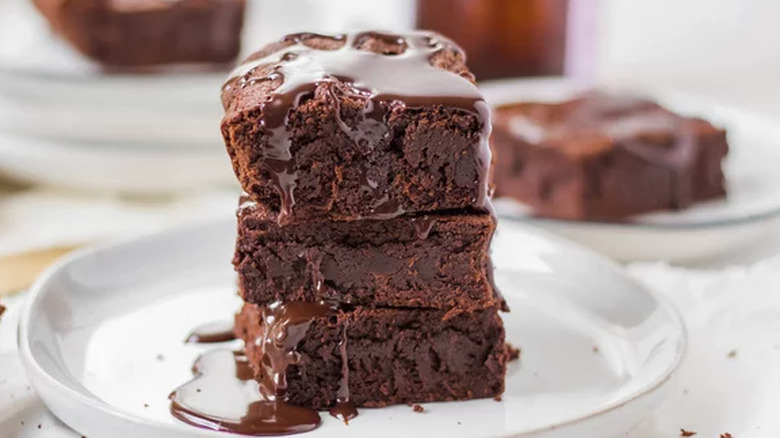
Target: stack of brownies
x,y
364,233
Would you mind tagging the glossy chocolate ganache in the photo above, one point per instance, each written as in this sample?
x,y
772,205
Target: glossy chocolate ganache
x,y
212,333
401,76
224,394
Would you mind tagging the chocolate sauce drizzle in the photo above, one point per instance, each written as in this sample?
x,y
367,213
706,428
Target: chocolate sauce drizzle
x,y
344,408
212,333
383,80
284,326
225,396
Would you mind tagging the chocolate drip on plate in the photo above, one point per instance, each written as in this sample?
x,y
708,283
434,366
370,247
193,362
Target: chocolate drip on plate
x,y
212,333
401,76
224,396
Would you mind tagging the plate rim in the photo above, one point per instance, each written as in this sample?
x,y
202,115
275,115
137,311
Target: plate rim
x,y
39,289
761,217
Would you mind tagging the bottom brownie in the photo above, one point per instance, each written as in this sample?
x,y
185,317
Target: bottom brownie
x,y
394,355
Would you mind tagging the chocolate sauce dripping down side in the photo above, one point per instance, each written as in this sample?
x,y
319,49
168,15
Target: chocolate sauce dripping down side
x,y
406,78
284,326
224,396
344,408
212,333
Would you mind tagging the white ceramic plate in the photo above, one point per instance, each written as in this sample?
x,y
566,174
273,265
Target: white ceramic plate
x,y
599,351
704,231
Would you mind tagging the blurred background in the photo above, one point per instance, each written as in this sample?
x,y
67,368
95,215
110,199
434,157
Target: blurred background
x,y
89,153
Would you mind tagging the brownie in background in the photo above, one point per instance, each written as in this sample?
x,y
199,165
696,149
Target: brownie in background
x,y
142,33
605,157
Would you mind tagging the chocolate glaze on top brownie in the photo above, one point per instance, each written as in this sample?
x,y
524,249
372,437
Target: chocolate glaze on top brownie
x,y
367,125
605,156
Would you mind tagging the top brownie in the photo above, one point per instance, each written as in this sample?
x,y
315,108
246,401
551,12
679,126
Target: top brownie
x,y
366,125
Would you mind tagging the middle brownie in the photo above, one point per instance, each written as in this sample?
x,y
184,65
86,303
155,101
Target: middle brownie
x,y
438,260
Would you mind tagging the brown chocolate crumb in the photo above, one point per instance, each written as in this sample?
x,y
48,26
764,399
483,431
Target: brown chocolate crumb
x,y
514,353
726,435
146,405
732,354
419,409
684,432
596,349
39,425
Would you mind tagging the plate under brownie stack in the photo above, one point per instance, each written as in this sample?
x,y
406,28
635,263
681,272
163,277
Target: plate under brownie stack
x,y
364,232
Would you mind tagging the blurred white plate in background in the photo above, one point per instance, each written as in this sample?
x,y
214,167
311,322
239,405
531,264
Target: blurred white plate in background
x,y
47,89
599,351
143,169
706,230
65,124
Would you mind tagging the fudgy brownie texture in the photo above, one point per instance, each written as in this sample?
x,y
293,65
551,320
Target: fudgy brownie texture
x,y
605,156
394,356
368,125
437,260
140,33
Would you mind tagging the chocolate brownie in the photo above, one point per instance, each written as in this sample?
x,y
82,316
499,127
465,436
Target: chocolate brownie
x,y
136,33
605,156
437,260
365,125
393,356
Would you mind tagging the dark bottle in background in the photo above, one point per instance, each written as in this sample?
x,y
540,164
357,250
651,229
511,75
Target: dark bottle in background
x,y
503,38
